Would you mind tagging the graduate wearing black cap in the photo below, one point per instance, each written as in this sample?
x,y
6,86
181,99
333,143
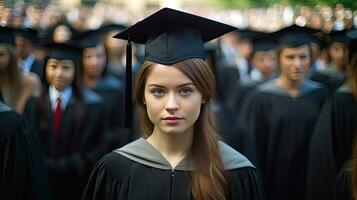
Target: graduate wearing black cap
x,y
280,115
334,75
264,62
179,156
334,139
25,41
96,77
69,120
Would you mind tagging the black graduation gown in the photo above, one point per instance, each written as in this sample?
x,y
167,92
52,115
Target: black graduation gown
x,y
112,91
281,126
342,185
331,78
22,171
331,143
70,158
145,174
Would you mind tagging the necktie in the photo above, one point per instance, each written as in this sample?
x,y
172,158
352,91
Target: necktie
x,y
58,116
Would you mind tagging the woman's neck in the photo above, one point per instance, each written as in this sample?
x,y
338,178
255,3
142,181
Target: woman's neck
x,y
90,82
292,87
173,146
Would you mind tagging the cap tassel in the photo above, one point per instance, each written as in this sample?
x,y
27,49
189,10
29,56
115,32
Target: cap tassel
x,y
128,89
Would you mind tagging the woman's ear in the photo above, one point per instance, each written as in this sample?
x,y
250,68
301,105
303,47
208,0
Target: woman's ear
x,y
144,101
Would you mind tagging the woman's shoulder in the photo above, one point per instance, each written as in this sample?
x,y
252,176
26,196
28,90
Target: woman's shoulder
x,y
114,165
232,159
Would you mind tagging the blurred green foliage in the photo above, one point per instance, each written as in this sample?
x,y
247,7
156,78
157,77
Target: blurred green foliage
x,y
262,3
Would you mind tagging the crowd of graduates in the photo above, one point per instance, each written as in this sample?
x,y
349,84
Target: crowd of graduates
x,y
287,100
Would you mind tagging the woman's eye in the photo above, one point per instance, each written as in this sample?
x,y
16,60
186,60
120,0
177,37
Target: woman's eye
x,y
158,92
185,91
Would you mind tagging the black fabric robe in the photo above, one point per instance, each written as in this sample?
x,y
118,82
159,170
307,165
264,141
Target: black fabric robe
x,y
147,176
331,143
22,171
71,157
343,182
281,126
112,91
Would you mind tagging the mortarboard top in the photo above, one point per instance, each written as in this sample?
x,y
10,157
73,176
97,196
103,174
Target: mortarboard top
x,y
294,35
44,36
339,36
90,38
170,36
263,42
6,35
27,33
65,51
247,34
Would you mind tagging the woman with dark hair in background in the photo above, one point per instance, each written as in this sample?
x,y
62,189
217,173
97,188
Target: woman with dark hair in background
x,y
69,121
179,156
95,76
15,86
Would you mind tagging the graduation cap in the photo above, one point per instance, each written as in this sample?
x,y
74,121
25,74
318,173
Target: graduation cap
x,y
294,35
90,38
263,42
6,35
170,36
247,34
27,33
339,36
65,51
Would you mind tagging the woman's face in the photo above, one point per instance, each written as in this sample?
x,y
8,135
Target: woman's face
x,y
172,101
295,62
94,60
60,73
4,57
338,53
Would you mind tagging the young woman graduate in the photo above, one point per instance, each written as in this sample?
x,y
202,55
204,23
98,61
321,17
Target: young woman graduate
x,y
280,115
15,86
95,76
334,75
179,156
22,171
335,132
69,121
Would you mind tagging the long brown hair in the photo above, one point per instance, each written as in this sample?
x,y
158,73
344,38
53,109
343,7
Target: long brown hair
x,y
12,75
208,181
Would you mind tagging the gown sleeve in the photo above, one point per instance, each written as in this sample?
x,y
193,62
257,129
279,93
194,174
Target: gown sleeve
x,y
109,179
245,183
22,171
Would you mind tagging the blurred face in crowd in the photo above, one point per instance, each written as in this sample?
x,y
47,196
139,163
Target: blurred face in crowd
x,y
173,104
24,47
4,57
295,62
245,48
265,62
94,60
339,54
60,73
62,34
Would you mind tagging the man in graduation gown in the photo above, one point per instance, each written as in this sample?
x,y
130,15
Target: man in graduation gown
x,y
22,171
